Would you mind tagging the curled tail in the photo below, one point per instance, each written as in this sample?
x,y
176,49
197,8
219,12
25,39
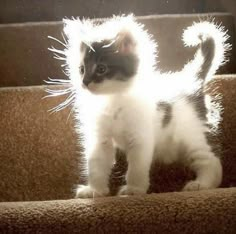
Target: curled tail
x,y
211,40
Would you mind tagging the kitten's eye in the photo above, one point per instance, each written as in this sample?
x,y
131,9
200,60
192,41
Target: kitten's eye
x,y
81,70
101,69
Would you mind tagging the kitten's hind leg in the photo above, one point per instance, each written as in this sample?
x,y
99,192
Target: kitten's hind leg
x,y
207,167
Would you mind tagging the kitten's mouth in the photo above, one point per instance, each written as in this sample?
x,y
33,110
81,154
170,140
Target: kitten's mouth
x,y
90,87
84,86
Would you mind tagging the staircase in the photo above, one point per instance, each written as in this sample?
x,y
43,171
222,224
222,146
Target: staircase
x,y
39,153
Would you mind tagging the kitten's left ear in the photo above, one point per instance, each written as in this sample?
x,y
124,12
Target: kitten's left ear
x,y
126,43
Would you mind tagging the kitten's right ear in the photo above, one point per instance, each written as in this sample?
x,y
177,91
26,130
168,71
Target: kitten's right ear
x,y
125,42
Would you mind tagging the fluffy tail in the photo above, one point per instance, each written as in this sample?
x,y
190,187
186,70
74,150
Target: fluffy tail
x,y
211,40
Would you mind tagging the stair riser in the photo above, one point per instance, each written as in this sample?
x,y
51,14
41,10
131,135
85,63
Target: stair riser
x,y
25,59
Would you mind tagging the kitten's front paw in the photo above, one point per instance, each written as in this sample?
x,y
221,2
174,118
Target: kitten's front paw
x,y
131,190
194,185
88,192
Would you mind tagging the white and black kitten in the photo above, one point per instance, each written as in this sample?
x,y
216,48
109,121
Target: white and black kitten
x,y
122,101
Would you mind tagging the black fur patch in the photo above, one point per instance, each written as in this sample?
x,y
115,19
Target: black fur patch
x,y
167,109
120,67
198,101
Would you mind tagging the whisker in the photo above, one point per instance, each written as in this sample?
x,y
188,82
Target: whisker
x,y
110,44
58,57
59,80
64,104
57,40
54,82
56,50
69,114
67,74
59,108
66,42
58,92
89,45
54,95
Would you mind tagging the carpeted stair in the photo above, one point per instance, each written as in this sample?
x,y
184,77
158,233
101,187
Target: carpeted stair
x,y
40,156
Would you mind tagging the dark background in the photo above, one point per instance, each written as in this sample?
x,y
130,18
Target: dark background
x,y
13,11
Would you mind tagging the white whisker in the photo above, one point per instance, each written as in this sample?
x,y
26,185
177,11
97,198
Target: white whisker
x,y
54,82
58,57
66,42
64,104
59,92
55,39
89,45
59,80
56,50
67,74
69,114
59,108
58,54
110,44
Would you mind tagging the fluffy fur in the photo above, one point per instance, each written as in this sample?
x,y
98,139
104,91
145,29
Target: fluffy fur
x,y
150,116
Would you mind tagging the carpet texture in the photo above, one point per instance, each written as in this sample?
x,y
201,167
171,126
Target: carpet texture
x,y
210,211
40,155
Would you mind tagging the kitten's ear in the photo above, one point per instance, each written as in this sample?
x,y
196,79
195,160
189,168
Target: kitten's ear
x,y
126,43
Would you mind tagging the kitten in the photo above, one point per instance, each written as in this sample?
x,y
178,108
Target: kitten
x,y
122,101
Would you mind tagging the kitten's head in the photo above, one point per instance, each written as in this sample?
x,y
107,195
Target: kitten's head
x,y
105,57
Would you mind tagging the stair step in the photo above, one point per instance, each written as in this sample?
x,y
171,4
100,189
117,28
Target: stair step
x,y
39,152
25,59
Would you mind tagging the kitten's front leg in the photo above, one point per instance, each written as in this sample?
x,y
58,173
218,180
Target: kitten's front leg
x,y
100,161
139,163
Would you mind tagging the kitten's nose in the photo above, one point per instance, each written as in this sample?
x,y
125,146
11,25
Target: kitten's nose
x,y
86,82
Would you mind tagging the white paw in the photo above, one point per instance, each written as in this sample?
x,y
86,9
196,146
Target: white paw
x,y
88,192
194,185
131,190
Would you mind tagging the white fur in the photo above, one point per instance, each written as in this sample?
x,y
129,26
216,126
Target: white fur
x,y
207,32
124,114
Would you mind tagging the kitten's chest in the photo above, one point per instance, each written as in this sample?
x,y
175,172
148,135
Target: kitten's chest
x,y
113,122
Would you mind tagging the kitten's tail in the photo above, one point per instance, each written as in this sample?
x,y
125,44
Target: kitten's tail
x,y
211,40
